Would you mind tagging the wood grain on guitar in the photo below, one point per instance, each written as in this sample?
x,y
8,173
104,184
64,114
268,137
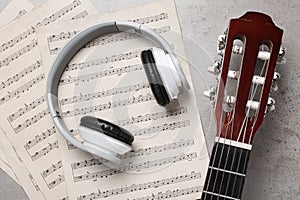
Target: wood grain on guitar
x,y
250,48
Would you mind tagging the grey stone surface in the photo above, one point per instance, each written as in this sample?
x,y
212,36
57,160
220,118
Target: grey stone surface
x,y
274,168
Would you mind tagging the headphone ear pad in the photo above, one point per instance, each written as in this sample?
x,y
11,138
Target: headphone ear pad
x,y
107,128
154,78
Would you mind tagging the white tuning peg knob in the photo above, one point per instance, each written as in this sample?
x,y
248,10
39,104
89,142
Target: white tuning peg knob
x,y
281,59
270,105
211,93
276,78
216,68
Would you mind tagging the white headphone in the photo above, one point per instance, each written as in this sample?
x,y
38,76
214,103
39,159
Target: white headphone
x,y
102,138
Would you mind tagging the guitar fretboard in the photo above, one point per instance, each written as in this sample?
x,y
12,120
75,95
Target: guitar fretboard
x,y
226,172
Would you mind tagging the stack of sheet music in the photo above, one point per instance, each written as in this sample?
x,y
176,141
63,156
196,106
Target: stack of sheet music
x,y
105,79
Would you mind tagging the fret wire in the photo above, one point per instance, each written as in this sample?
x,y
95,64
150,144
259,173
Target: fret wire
x,y
222,154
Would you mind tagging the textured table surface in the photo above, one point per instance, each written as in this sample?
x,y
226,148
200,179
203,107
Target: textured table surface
x,y
274,168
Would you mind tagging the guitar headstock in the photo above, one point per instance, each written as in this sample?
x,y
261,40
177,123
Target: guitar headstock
x,y
251,49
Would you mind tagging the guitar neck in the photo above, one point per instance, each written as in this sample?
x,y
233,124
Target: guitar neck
x,y
227,170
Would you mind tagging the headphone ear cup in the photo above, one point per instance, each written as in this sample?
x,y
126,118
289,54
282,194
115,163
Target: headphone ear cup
x,y
107,128
154,78
104,139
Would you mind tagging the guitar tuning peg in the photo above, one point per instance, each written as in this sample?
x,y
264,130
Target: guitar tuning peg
x,y
281,55
216,68
270,105
211,93
276,78
221,43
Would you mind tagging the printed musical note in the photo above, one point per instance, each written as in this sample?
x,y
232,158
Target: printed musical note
x,y
135,153
62,36
114,91
147,20
44,22
160,128
39,138
80,15
122,36
56,181
31,121
20,75
68,35
135,167
52,169
22,89
17,54
109,105
50,147
109,72
113,58
26,108
142,186
152,116
172,193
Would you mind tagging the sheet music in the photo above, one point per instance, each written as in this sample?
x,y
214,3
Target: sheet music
x,y
23,82
15,9
106,79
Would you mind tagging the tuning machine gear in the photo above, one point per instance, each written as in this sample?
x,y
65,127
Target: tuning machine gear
x,y
281,56
270,105
211,94
216,68
275,79
221,44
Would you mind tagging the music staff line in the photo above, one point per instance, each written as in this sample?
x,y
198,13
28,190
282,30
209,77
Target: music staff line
x,y
53,168
60,179
11,43
111,104
171,193
161,128
6,61
28,122
104,93
114,58
114,104
15,78
28,107
70,34
108,72
142,186
142,118
75,99
135,153
25,87
44,151
137,167
151,116
57,180
39,138
122,36
82,14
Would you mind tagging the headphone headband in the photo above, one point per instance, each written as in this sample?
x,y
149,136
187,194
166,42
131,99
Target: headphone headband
x,y
79,41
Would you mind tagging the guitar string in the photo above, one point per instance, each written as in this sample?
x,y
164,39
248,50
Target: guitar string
x,y
256,113
229,149
214,159
222,151
253,92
